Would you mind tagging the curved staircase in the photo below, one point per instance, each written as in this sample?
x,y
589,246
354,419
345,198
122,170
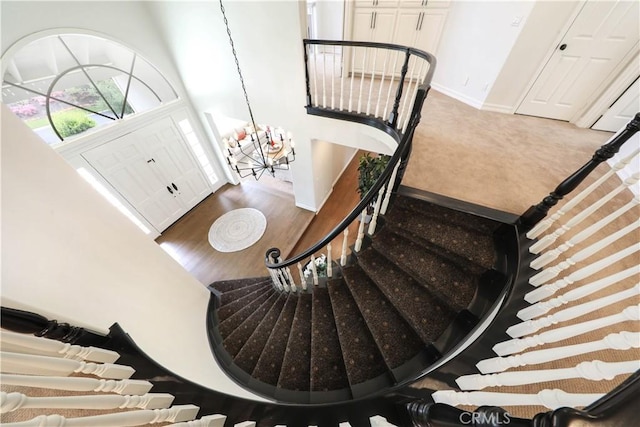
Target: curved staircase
x,y
415,290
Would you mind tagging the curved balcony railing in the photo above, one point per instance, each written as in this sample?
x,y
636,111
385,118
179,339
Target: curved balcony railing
x,y
377,84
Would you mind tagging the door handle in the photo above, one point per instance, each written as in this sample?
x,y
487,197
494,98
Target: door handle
x,y
175,187
170,190
563,46
151,160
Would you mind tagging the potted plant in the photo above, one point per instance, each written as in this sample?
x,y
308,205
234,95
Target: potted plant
x,y
369,170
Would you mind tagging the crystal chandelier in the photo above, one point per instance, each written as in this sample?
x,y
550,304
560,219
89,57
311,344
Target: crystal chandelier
x,y
256,150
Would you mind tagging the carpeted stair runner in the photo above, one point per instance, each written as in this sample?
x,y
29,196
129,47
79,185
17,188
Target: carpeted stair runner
x,y
372,325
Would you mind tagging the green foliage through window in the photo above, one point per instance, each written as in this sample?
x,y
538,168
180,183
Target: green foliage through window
x,y
69,123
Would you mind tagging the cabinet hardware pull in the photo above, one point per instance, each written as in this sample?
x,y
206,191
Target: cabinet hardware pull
x,y
170,190
421,21
371,21
375,18
175,187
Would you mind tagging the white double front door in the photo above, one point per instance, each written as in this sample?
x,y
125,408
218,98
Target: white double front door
x,y
153,169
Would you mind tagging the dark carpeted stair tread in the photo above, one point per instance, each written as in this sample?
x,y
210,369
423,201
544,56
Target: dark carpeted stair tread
x,y
452,285
395,339
362,358
467,220
295,371
423,311
327,365
232,322
230,296
230,285
469,244
247,357
234,342
229,309
270,362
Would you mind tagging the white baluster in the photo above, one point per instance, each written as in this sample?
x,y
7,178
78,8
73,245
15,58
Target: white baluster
x,y
547,240
25,343
373,77
353,66
333,78
364,60
345,54
345,246
245,424
125,386
595,370
544,225
324,79
542,307
303,280
384,72
517,345
290,278
216,420
10,402
315,77
314,271
281,275
379,421
329,266
390,185
274,279
393,75
376,211
549,256
531,326
360,237
549,273
547,290
617,341
551,399
174,414
18,363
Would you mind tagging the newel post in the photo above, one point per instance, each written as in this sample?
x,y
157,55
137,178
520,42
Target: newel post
x,y
535,213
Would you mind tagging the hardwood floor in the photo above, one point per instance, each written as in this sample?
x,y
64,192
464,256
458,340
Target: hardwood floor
x,y
187,240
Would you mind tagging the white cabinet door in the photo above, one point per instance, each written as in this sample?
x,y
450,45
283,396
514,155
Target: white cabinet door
x,y
622,111
124,164
430,29
602,34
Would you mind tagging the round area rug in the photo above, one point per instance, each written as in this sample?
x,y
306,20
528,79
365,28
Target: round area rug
x,y
237,230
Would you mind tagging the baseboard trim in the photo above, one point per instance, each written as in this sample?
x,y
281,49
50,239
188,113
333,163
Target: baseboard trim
x,y
475,103
497,108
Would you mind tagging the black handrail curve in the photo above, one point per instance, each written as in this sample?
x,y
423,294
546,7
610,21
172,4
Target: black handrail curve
x,y
404,140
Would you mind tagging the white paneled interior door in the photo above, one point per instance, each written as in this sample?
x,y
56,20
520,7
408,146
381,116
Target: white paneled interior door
x,y
600,37
622,111
153,170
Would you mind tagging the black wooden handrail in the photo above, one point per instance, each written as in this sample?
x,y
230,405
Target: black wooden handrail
x,y
537,212
404,140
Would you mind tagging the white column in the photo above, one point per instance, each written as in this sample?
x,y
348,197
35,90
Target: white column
x,y
329,261
345,247
25,343
10,402
549,273
126,386
617,341
551,399
358,244
531,326
376,211
174,414
18,363
216,420
549,256
542,307
547,240
543,225
595,370
390,184
517,345
547,290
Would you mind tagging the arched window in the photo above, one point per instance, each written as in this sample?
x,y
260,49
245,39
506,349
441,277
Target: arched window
x,y
67,84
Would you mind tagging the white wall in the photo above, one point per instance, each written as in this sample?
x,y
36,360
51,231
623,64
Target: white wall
x,y
329,161
476,42
69,255
330,18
